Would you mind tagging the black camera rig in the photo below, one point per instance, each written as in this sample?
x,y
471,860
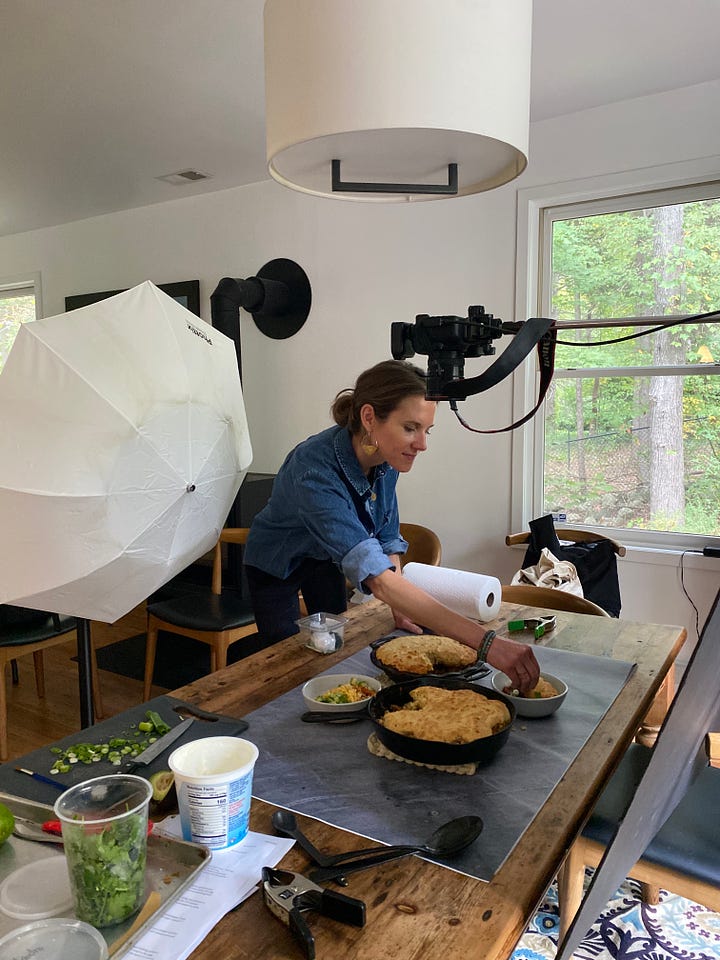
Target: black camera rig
x,y
448,341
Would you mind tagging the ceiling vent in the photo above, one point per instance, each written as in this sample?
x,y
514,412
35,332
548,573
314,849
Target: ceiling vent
x,y
183,177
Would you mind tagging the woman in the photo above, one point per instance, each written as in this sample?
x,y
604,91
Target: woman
x,y
333,517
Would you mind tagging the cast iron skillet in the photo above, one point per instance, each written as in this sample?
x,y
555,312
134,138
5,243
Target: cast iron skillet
x,y
473,671
433,751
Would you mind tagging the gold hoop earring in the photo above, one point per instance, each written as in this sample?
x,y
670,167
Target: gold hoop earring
x,y
369,446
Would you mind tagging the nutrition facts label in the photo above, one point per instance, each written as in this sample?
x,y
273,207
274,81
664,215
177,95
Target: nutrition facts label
x,y
217,812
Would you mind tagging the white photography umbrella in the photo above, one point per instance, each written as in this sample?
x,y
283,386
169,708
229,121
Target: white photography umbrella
x,y
123,446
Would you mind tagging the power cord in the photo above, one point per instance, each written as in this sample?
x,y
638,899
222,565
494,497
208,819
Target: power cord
x,y
682,583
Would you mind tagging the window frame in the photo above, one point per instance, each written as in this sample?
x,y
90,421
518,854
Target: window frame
x,y
536,212
21,282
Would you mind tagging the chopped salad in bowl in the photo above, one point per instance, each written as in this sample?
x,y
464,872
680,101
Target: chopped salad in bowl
x,y
339,692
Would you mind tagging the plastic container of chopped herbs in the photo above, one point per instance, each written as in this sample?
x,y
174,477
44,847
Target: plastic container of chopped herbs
x,y
104,829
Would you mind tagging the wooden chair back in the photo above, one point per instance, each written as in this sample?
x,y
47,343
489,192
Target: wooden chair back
x,y
568,533
423,545
548,599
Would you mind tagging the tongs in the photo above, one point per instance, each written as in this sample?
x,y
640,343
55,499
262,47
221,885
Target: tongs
x,y
288,895
539,625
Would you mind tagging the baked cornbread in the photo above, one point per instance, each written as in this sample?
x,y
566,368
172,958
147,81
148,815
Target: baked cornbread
x,y
447,716
423,654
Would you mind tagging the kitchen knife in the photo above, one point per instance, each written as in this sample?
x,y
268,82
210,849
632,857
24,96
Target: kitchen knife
x,y
155,749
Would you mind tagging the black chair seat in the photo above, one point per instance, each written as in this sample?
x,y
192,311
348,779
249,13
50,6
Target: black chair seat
x,y
688,842
41,628
208,611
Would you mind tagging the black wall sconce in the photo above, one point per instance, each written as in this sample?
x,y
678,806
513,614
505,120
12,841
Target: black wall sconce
x,y
278,298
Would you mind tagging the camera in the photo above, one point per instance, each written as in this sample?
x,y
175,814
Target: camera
x,y
447,341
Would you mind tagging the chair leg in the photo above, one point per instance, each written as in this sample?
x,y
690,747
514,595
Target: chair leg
x,y
221,653
99,708
571,878
150,650
39,673
650,894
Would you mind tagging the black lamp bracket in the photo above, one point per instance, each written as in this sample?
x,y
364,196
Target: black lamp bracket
x,y
345,186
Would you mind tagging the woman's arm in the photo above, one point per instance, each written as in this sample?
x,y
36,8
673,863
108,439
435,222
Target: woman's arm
x,y
517,660
401,621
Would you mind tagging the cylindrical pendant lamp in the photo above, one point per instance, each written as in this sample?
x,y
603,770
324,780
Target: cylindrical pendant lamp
x,y
390,100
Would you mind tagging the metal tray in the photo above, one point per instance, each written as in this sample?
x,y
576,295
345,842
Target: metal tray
x,y
172,866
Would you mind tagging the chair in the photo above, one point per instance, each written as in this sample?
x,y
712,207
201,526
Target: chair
x,y
656,819
575,536
684,856
593,554
23,632
546,598
423,545
214,617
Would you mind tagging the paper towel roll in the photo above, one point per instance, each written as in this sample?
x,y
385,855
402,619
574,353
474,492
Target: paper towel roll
x,y
473,595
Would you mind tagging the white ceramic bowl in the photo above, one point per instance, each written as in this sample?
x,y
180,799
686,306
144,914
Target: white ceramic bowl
x,y
536,706
318,685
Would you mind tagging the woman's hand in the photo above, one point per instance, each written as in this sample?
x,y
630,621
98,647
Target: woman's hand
x,y
405,623
517,660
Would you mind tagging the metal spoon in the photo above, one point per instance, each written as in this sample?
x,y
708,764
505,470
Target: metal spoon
x,y
448,840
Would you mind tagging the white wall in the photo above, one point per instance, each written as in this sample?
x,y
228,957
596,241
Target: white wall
x,y
369,265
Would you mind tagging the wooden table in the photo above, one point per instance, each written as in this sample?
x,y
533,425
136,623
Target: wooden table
x,y
417,909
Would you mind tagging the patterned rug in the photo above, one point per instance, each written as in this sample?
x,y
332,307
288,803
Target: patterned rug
x,y
675,929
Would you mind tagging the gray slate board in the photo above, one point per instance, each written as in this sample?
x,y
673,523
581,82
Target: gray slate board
x,y
325,770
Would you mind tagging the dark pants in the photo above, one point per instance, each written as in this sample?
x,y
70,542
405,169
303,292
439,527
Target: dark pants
x,y
275,602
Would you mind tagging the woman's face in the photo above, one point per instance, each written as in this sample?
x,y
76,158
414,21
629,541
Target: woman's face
x,y
404,434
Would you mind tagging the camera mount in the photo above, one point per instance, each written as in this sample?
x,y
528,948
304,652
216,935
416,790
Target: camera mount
x,y
448,341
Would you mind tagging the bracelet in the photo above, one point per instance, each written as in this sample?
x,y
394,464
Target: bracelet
x,y
484,648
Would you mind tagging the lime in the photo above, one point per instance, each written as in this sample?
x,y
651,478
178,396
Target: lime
x,y
7,822
161,783
164,798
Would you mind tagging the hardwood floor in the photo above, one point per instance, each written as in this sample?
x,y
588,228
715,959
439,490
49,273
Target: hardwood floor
x,y
34,723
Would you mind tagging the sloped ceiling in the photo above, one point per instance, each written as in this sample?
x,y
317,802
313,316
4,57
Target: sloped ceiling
x,y
98,98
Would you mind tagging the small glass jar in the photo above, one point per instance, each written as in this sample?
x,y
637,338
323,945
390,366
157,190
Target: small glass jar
x,y
326,631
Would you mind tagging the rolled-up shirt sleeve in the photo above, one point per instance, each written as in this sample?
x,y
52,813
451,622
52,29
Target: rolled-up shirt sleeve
x,y
331,517
367,559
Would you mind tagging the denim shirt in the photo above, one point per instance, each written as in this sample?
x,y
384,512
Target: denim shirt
x,y
323,506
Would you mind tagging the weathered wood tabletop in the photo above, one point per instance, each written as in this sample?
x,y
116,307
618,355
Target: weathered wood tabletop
x,y
417,909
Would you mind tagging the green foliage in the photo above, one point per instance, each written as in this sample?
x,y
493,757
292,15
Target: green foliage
x,y
13,312
599,431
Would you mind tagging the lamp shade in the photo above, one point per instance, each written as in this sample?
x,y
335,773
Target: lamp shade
x,y
397,91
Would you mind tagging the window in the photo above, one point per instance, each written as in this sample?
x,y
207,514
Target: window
x,y
18,303
628,439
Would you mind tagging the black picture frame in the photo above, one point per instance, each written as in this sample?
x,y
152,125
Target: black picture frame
x,y
186,292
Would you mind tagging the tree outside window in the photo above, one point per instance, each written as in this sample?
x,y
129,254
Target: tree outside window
x,y
632,429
